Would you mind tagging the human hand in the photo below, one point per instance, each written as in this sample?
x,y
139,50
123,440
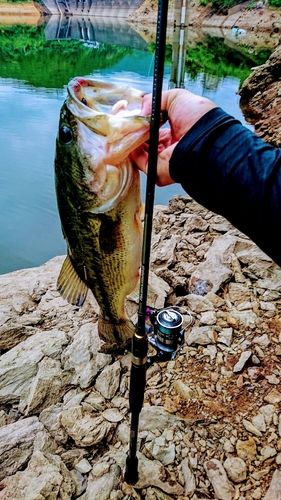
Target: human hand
x,y
184,109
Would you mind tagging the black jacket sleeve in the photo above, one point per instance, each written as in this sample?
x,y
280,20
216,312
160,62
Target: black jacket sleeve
x,y
232,172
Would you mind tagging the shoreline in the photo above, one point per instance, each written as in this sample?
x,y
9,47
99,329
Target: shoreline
x,y
263,20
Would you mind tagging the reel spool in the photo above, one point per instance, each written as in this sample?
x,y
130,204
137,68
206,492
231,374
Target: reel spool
x,y
168,333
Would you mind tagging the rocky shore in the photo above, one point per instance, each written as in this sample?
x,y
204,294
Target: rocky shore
x,y
211,423
257,20
261,98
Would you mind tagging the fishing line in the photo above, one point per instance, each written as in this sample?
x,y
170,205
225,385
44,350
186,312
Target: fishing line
x,y
139,341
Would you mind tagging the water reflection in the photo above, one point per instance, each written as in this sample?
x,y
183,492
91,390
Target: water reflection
x,y
35,67
94,31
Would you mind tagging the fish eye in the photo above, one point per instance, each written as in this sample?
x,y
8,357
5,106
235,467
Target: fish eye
x,y
65,135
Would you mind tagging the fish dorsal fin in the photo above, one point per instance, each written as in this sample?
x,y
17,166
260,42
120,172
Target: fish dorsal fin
x,y
70,286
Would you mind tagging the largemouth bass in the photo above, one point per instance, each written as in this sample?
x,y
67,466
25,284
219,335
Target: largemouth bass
x,y
98,196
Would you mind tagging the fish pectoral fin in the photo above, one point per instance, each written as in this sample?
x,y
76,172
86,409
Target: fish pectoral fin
x,y
70,286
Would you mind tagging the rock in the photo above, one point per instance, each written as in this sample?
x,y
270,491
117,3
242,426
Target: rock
x,y
273,397
164,254
251,428
85,428
153,473
196,410
107,382
214,268
193,222
79,481
45,477
183,390
259,422
246,318
18,367
238,293
208,318
225,336
49,418
202,335
16,444
274,490
46,386
161,450
112,415
156,494
218,478
151,414
246,450
189,478
268,412
258,93
199,303
238,367
263,340
272,379
267,452
236,469
83,466
82,356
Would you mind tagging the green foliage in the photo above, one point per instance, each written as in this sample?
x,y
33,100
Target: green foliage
x,y
275,3
26,55
214,58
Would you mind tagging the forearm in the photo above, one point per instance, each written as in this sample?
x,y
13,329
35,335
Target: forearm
x,y
232,172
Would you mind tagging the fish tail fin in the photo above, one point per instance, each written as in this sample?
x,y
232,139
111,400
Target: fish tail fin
x,y
70,286
116,335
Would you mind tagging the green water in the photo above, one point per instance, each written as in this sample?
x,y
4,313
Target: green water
x,y
34,72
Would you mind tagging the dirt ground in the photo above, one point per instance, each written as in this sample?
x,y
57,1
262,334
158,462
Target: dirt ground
x,y
19,13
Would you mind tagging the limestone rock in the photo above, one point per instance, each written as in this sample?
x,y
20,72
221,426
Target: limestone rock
x,y
19,366
218,478
152,473
152,414
103,479
247,449
274,490
236,469
16,444
183,390
85,428
202,335
245,355
45,477
82,356
214,268
189,478
162,450
107,382
45,388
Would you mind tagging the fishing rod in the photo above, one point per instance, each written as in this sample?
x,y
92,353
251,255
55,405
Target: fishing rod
x,y
139,341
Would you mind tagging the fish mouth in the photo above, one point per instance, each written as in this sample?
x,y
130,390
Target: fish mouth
x,y
109,127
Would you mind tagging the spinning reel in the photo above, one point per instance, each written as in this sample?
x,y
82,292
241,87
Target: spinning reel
x,y
166,333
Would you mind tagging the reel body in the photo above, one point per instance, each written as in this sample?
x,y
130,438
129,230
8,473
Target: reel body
x,y
166,333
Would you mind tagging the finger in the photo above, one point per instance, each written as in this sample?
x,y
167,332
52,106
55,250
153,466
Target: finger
x,y
140,158
163,167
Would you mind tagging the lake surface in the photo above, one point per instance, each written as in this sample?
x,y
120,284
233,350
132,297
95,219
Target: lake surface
x,y
32,90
